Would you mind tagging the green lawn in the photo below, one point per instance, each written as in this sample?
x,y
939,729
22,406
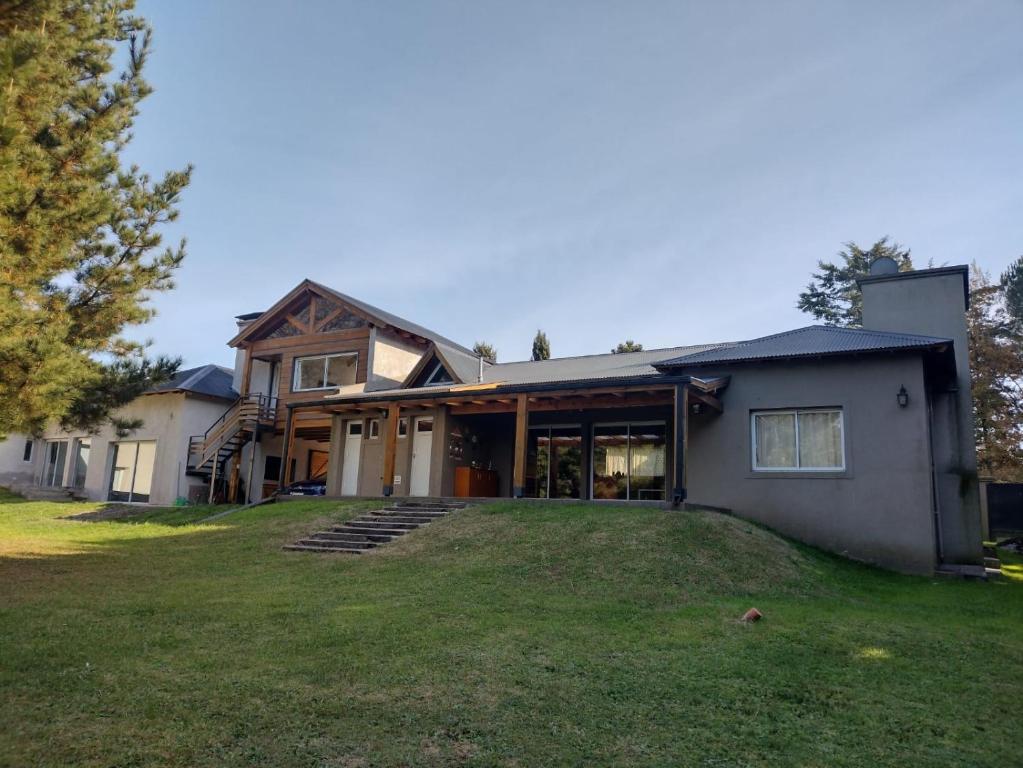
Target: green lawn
x,y
503,635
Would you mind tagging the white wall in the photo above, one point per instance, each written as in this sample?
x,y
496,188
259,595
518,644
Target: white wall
x,y
169,419
12,468
392,361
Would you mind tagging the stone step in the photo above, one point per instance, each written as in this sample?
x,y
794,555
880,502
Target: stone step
x,y
417,519
431,514
372,534
303,547
430,504
382,524
347,539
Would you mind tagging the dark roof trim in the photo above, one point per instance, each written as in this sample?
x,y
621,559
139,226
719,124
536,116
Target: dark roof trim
x,y
959,269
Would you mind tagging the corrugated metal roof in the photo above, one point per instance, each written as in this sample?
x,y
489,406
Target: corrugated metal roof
x,y
585,367
812,341
208,380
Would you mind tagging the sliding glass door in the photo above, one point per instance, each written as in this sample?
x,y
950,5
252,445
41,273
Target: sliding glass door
x,y
629,461
554,462
131,475
82,449
56,460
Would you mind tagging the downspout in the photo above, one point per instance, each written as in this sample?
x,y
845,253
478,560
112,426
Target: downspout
x,y
479,376
935,508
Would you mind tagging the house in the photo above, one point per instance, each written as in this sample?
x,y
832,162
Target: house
x,y
859,441
146,465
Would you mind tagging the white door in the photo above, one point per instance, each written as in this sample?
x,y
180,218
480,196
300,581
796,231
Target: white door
x,y
350,468
422,443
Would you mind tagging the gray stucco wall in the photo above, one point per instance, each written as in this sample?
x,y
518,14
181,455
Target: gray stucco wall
x,y
877,510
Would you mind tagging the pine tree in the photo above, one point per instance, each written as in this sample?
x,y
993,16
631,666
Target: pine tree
x,y
627,346
485,350
80,243
833,296
996,366
541,347
1012,284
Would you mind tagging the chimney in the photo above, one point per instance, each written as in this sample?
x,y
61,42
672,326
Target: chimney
x,y
933,302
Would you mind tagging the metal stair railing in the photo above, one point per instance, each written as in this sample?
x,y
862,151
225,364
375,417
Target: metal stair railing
x,y
248,411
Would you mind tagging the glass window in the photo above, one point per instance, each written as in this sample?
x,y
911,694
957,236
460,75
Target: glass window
x,y
325,371
798,440
438,376
629,461
647,458
424,425
374,429
354,428
611,462
271,468
27,453
403,427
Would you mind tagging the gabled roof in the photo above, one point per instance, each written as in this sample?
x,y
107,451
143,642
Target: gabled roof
x,y
811,341
382,316
206,380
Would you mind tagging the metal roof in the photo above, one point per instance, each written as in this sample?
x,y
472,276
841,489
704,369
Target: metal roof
x,y
585,367
811,341
206,380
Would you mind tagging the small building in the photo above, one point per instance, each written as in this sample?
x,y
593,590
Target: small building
x,y
147,465
859,441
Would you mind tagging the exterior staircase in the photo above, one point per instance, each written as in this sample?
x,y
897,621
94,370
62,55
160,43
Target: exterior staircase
x,y
209,452
375,528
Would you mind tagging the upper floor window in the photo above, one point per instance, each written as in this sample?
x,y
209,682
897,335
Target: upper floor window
x,y
438,376
798,440
325,371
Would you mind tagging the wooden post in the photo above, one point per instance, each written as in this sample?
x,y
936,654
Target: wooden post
x,y
390,447
252,461
289,444
521,424
681,433
213,476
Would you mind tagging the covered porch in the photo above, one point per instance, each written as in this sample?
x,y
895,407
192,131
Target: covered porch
x,y
624,441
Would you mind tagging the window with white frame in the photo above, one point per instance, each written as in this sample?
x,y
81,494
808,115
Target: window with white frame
x,y
374,429
325,371
403,427
810,440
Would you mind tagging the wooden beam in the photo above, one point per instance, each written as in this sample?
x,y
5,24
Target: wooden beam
x,y
330,316
247,374
567,404
709,400
390,447
304,327
289,448
521,432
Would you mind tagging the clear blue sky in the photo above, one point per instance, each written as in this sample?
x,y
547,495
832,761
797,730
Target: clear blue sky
x,y
667,172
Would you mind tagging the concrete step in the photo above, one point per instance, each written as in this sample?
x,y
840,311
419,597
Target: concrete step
x,y
303,547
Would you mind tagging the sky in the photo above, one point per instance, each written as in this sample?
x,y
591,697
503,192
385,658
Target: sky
x,y
664,172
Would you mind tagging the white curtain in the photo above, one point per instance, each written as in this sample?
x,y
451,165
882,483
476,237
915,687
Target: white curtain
x,y
776,440
820,439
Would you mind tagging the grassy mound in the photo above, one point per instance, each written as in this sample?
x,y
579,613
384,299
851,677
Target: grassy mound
x,y
503,635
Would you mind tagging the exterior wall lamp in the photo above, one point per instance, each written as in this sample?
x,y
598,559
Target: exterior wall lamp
x,y
902,397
